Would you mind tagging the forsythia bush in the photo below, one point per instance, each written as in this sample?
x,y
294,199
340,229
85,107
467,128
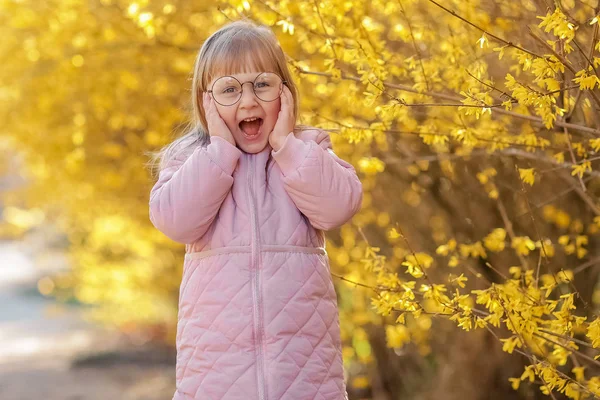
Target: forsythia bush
x,y
474,124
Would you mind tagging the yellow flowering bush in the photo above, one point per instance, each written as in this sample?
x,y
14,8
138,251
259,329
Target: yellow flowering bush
x,y
474,126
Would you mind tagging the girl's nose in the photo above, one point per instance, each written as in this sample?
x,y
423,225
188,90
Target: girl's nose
x,y
248,98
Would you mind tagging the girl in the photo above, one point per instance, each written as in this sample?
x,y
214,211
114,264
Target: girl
x,y
250,194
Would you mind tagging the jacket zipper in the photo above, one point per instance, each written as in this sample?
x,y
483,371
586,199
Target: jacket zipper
x,y
256,293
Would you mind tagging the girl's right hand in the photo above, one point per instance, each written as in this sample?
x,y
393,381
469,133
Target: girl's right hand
x,y
216,125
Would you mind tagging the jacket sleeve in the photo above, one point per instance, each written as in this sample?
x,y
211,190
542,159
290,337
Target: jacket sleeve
x,y
188,194
324,187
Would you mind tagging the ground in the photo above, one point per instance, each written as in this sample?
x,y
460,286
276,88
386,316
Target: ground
x,y
50,353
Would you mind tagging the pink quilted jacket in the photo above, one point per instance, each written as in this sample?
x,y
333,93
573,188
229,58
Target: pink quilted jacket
x,y
258,317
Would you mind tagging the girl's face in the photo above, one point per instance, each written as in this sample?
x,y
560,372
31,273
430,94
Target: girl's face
x,y
249,106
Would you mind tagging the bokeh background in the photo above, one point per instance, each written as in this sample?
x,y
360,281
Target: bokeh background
x,y
473,125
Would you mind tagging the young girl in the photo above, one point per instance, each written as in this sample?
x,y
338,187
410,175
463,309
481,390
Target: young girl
x,y
250,194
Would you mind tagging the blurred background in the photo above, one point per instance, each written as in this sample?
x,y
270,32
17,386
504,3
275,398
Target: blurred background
x,y
88,88
50,350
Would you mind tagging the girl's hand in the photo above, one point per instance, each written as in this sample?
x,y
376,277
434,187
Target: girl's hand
x,y
216,125
285,120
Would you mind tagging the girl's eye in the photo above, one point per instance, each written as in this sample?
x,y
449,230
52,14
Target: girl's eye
x,y
230,90
264,84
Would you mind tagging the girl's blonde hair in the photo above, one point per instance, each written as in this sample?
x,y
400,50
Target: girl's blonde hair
x,y
240,46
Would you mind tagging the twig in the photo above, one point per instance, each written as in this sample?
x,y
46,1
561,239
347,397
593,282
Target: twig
x,y
581,342
509,229
572,350
573,159
537,275
586,265
416,47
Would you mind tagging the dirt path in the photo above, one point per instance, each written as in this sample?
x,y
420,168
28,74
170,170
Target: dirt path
x,y
52,381
50,353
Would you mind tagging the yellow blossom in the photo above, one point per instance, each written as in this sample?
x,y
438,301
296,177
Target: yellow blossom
x,y
527,175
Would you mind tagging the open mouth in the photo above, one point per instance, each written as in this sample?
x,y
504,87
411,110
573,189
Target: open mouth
x,y
251,128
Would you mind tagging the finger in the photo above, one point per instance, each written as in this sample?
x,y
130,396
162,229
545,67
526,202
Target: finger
x,y
288,97
206,102
209,111
284,100
285,94
211,105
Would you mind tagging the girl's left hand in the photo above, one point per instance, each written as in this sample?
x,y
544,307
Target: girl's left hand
x,y
285,120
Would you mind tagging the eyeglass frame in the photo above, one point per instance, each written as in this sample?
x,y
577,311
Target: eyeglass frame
x,y
242,87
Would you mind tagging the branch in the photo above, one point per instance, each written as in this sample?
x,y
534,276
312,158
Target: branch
x,y
569,349
583,195
414,42
537,120
564,62
419,133
499,39
537,231
509,230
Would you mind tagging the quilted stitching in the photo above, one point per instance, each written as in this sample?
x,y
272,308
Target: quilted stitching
x,y
225,263
216,339
327,315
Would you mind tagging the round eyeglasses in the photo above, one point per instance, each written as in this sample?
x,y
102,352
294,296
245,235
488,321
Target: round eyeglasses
x,y
227,90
